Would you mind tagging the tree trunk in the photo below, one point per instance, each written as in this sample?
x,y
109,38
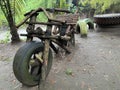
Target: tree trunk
x,y
13,30
6,8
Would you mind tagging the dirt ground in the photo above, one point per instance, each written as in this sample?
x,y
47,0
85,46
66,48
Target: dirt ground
x,y
94,63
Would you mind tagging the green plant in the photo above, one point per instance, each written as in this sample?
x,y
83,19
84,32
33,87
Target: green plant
x,y
69,71
6,39
102,5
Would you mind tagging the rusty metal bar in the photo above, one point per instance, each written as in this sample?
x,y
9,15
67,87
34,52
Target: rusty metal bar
x,y
44,23
57,20
62,46
50,10
49,18
46,37
29,14
57,10
71,23
27,17
45,12
42,36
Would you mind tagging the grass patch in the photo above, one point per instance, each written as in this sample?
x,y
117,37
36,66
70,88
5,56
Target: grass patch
x,y
6,39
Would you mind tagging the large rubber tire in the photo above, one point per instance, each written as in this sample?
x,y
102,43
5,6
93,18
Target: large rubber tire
x,y
21,63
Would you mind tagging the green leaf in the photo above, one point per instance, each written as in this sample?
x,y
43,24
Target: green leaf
x,y
68,72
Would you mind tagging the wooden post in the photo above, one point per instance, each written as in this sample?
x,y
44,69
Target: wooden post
x,y
45,65
45,59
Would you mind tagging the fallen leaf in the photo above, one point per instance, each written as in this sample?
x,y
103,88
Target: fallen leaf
x,y
69,72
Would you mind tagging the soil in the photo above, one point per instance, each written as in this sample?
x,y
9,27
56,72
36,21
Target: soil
x,y
94,64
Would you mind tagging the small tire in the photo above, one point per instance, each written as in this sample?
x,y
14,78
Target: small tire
x,y
21,63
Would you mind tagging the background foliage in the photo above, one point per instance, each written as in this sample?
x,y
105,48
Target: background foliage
x,y
85,6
